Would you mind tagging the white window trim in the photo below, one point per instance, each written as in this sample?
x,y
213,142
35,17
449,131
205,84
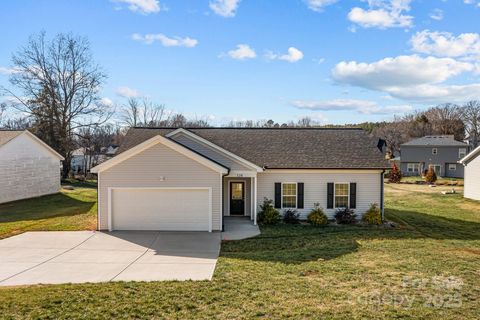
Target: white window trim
x,y
450,167
411,165
435,151
436,165
335,194
462,154
296,195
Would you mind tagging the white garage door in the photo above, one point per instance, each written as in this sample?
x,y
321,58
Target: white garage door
x,y
161,209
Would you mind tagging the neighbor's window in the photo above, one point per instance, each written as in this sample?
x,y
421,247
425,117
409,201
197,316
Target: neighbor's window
x,y
434,151
462,152
341,195
413,167
452,167
289,195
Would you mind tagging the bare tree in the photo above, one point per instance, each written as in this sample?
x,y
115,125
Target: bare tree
x,y
470,113
144,113
58,85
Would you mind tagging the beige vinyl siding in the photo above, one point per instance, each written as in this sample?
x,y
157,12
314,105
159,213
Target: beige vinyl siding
x,y
315,187
27,170
472,179
226,195
146,169
209,152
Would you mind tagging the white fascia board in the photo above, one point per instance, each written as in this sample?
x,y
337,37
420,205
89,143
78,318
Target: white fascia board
x,y
469,156
43,144
213,145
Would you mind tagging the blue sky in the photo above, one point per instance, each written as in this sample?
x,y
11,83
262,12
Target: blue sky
x,y
337,61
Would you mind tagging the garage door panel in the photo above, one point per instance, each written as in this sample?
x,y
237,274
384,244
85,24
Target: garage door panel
x,y
161,209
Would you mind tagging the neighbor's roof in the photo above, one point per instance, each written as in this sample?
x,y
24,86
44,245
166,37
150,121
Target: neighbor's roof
x,y
7,135
285,148
437,141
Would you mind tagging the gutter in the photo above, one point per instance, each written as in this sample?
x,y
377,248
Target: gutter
x,y
382,195
223,197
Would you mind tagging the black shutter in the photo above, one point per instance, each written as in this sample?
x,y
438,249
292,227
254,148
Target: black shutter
x,y
278,195
300,195
353,195
330,195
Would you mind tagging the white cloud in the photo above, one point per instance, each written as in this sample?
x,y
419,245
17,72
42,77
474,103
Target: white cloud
x,y
410,78
141,6
445,44
360,106
243,52
127,92
106,102
474,2
436,14
401,71
382,14
225,8
293,55
165,41
8,71
318,5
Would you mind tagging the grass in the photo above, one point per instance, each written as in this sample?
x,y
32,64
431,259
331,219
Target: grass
x,y
427,267
67,210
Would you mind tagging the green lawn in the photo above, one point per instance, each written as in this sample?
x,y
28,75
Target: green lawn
x,y
67,210
427,267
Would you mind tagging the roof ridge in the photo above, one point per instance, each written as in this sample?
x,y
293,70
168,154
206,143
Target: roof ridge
x,y
251,128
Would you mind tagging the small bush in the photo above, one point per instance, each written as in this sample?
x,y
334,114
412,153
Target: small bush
x,y
431,176
317,217
291,216
373,215
395,175
345,216
268,215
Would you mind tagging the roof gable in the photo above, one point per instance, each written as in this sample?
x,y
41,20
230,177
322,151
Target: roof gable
x,y
167,142
285,148
8,136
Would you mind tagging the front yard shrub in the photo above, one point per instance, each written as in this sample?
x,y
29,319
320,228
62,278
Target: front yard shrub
x,y
317,217
291,216
373,215
395,175
430,176
345,216
268,215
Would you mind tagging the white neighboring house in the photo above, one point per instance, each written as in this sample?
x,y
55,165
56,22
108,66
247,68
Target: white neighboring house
x,y
28,167
472,174
82,162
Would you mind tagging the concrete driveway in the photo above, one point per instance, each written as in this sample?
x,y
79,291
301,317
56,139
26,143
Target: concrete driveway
x,y
88,256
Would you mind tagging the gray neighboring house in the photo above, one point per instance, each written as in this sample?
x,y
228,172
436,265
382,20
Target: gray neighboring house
x,y
28,167
472,174
442,152
188,179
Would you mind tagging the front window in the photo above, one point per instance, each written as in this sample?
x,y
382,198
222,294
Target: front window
x,y
289,195
462,152
413,167
434,151
341,195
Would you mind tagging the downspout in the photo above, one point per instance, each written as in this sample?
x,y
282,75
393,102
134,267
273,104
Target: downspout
x,y
222,198
382,195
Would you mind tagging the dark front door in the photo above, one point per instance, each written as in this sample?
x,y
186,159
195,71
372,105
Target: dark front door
x,y
237,198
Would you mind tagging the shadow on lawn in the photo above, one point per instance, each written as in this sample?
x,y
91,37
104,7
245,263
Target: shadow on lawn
x,y
294,244
56,205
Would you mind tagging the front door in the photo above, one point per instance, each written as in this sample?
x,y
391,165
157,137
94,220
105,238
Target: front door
x,y
237,198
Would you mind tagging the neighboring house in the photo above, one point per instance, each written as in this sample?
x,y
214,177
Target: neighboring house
x,y
472,174
82,161
439,152
189,179
28,167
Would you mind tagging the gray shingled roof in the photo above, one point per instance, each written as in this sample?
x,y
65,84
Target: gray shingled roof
x,y
285,148
7,135
437,141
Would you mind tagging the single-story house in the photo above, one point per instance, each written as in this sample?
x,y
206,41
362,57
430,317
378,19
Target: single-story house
x,y
471,165
190,178
28,167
